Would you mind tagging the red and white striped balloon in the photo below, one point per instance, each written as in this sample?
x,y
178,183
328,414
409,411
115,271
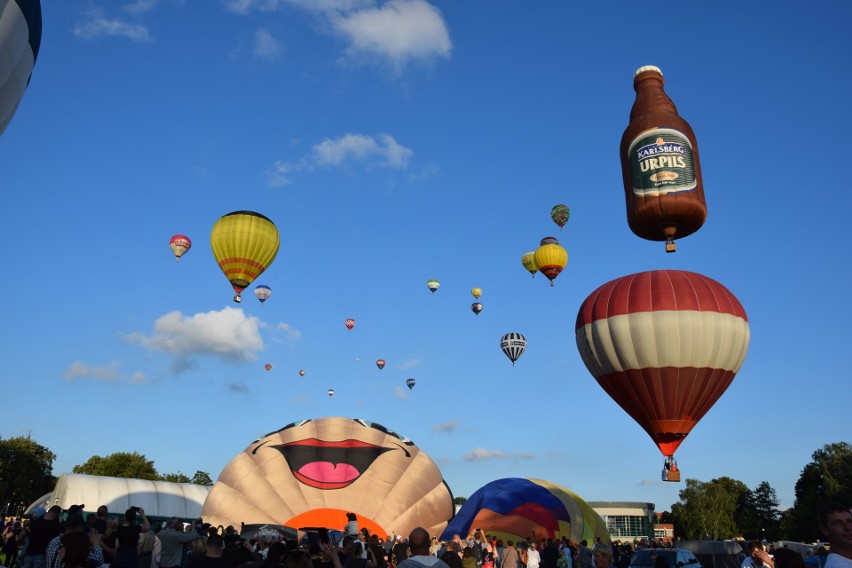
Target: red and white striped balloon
x,y
664,344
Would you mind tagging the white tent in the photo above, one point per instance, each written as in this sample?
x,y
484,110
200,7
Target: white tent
x,y
158,498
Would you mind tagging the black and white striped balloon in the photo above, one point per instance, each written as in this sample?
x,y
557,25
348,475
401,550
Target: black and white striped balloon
x,y
513,345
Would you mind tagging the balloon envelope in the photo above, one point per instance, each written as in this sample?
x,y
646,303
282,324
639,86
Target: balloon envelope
x,y
476,307
330,392
515,509
513,345
312,472
528,260
302,373
179,245
664,344
477,292
244,244
551,260
410,383
262,293
349,323
433,285
20,39
267,366
380,363
560,215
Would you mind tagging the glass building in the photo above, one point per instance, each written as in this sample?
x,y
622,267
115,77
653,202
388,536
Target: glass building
x,y
626,520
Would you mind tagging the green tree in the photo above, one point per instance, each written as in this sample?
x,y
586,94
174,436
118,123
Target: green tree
x,y
827,478
120,464
707,509
26,471
176,478
201,478
459,500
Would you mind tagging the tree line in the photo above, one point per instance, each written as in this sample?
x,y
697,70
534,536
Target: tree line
x,y
721,508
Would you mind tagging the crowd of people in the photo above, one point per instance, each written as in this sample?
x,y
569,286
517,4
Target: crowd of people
x,y
65,539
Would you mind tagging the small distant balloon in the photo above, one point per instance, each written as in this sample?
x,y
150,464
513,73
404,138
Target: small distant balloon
x,y
179,245
549,241
349,323
560,215
433,285
357,359
528,260
513,345
380,363
262,293
477,292
410,383
301,372
476,307
268,366
330,392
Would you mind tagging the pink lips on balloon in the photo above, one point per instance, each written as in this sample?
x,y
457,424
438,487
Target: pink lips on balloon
x,y
327,472
329,464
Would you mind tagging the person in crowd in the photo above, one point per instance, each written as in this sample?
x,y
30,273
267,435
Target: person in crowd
x,y
533,556
148,542
818,558
172,540
584,555
101,519
835,522
602,555
38,535
109,541
238,552
127,539
468,560
298,559
75,524
786,558
212,557
757,557
74,550
351,526
549,553
418,543
400,550
9,545
509,558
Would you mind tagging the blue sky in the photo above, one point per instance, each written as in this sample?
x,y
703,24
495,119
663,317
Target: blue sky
x,y
394,142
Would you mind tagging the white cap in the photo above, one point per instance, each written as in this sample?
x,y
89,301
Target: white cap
x,y
648,68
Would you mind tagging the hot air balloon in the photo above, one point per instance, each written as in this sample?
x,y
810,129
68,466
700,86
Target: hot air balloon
x,y
330,392
560,215
244,244
528,260
476,292
20,38
262,292
301,372
433,285
349,323
551,258
664,344
516,508
513,345
380,363
476,307
179,245
268,366
410,383
312,472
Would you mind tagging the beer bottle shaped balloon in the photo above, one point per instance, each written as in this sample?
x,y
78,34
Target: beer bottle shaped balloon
x,y
660,166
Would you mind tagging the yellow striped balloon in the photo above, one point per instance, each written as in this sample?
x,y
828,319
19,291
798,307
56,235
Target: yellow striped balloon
x,y
551,259
244,244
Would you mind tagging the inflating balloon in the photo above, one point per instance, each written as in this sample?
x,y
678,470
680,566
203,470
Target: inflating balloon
x,y
20,38
380,363
517,509
433,285
551,258
262,293
560,215
513,345
476,307
528,260
410,383
244,244
312,472
477,292
267,366
179,245
664,345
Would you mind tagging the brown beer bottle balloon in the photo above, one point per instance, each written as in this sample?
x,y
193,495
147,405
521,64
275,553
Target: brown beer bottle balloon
x,y
660,166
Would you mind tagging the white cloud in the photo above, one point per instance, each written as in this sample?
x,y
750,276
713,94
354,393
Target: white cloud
x,y
291,332
398,31
266,46
227,334
98,25
394,31
299,399
239,388
141,6
449,426
481,454
400,392
107,373
411,363
347,151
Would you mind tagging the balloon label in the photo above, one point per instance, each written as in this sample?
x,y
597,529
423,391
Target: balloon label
x,y
661,162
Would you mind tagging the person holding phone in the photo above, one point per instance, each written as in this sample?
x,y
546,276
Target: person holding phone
x,y
128,538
